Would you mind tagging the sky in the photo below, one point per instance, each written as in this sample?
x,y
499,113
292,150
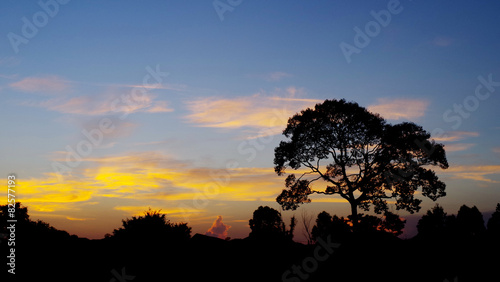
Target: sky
x,y
111,107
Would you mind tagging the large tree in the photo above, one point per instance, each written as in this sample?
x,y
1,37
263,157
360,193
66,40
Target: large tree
x,y
359,157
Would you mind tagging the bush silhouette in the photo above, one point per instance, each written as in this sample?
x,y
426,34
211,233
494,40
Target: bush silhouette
x,y
152,226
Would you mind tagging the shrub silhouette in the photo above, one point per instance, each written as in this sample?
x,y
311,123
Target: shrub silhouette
x,y
152,226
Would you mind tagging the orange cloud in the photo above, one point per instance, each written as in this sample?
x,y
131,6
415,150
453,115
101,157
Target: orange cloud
x,y
458,147
218,229
145,177
78,218
452,136
46,84
474,172
262,114
139,210
49,194
399,108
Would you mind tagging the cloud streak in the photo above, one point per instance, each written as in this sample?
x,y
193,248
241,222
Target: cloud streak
x,y
396,109
474,172
113,101
50,84
453,136
258,113
143,177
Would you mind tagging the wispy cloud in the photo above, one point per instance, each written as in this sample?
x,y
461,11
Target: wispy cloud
x,y
458,147
442,41
50,84
112,101
271,76
9,76
396,109
9,61
139,210
259,112
452,136
140,178
276,76
79,218
474,172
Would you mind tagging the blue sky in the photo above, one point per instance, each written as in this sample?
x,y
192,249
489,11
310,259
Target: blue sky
x,y
233,80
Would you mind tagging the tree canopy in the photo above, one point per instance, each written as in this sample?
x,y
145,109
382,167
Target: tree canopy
x,y
268,223
359,156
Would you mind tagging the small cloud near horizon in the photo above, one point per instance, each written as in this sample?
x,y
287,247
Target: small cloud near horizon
x,y
218,229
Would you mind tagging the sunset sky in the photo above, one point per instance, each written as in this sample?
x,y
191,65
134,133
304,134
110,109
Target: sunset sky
x,y
111,107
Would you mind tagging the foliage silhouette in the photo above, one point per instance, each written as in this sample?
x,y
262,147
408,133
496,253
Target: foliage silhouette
x,y
494,222
435,223
43,251
470,221
152,226
267,223
361,158
334,226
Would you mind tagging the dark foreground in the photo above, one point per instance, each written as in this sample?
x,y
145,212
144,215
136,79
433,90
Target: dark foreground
x,y
366,257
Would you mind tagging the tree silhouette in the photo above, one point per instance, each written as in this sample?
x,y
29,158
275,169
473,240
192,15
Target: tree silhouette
x,y
392,224
21,213
470,221
360,157
328,225
268,223
152,226
494,222
26,228
435,223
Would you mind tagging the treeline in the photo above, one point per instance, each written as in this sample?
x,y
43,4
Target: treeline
x,y
152,248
